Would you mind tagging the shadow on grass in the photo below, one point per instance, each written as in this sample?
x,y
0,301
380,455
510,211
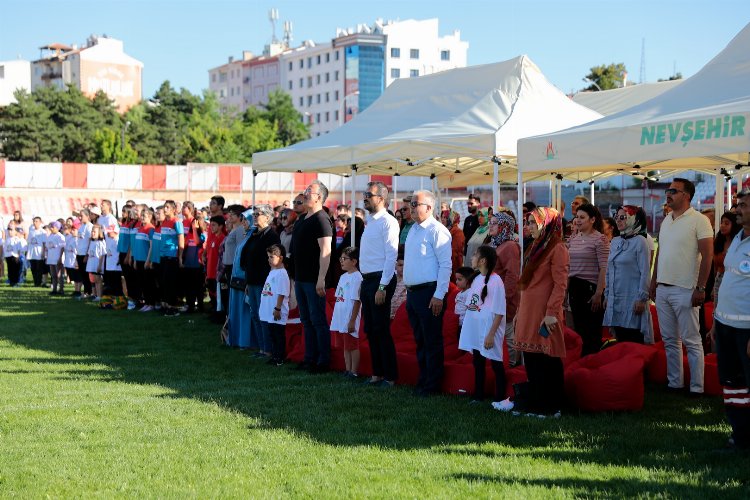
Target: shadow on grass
x,y
182,354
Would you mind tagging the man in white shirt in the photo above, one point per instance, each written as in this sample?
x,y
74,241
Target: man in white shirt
x,y
678,285
427,273
377,263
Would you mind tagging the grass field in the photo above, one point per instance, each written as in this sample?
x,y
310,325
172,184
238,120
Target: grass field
x,y
122,404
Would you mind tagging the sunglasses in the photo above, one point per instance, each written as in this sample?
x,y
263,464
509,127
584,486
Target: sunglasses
x,y
673,191
415,204
367,195
297,202
621,217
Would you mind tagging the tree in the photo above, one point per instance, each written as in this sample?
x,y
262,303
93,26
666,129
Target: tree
x,y
108,148
280,110
606,77
27,132
676,76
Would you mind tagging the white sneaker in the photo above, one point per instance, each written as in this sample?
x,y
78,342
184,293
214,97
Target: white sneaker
x,y
146,309
131,305
505,405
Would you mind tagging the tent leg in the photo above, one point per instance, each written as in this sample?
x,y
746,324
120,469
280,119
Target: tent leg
x,y
394,186
519,213
343,190
592,193
495,191
352,224
718,199
728,201
524,192
255,174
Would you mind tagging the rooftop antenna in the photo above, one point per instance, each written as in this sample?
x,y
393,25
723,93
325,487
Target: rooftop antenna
x,y
288,33
642,77
273,16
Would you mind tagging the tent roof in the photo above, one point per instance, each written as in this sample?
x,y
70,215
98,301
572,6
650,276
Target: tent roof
x,y
701,124
449,122
609,102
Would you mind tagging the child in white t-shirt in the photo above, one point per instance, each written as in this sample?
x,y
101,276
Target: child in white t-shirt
x,y
69,254
274,303
346,312
95,256
13,247
55,245
464,276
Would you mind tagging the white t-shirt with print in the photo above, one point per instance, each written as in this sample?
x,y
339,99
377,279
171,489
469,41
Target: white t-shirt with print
x,y
55,245
97,250
69,258
347,291
35,241
277,283
113,256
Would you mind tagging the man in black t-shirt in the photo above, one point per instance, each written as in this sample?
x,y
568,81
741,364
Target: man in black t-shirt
x,y
471,222
311,242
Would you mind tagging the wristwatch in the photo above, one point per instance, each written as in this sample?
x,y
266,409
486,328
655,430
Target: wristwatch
x,y
701,289
381,288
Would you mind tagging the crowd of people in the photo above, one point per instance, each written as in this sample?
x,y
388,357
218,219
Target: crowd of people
x,y
256,264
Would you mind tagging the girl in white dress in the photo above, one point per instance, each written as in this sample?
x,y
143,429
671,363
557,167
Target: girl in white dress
x,y
483,328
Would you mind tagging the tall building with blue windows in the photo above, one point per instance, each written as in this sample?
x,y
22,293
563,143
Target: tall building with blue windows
x,y
364,70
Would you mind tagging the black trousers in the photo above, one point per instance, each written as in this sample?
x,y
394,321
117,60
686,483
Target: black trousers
x,y
628,334
278,341
38,268
480,365
14,270
734,375
146,283
112,283
224,288
546,388
170,275
377,320
83,276
193,286
428,334
131,279
586,323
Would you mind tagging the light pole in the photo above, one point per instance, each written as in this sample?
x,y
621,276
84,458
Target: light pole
x,y
592,82
122,135
342,116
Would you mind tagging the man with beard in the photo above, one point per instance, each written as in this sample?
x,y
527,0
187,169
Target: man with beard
x,y
377,263
471,222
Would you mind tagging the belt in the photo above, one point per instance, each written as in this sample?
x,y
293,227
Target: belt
x,y
369,276
664,284
413,288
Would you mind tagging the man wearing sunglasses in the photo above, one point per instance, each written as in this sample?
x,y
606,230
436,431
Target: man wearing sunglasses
x,y
427,272
678,285
311,250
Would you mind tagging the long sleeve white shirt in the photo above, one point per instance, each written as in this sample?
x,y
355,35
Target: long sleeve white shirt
x,y
427,256
379,246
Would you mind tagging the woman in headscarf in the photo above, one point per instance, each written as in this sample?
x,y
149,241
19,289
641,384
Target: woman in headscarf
x,y
239,310
479,237
504,240
628,279
450,219
540,318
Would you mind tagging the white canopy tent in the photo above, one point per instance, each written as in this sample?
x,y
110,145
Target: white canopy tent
x,y
701,124
457,127
609,102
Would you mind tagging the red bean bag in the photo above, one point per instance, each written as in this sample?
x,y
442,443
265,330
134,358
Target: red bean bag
x,y
295,342
458,378
711,384
656,368
408,368
708,314
573,347
610,380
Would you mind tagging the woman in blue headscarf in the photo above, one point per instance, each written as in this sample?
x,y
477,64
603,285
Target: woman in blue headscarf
x,y
239,310
628,279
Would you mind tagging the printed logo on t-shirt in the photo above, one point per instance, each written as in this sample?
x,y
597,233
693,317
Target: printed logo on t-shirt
x,y
267,290
473,304
340,294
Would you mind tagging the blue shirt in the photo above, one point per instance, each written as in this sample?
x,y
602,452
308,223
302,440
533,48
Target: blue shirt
x,y
170,230
123,243
734,290
156,247
427,256
141,242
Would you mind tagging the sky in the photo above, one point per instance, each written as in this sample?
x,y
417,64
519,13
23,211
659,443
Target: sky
x,y
180,40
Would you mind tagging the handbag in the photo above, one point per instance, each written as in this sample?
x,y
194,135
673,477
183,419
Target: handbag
x,y
237,283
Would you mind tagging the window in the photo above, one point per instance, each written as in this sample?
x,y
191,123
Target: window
x,y
213,78
337,55
291,66
445,55
328,116
317,59
395,73
231,91
301,101
336,115
317,118
222,77
336,76
301,64
309,62
301,83
222,93
290,85
309,81
413,73
336,95
414,54
317,79
309,101
328,97
328,57
317,100
395,52
328,77
317,134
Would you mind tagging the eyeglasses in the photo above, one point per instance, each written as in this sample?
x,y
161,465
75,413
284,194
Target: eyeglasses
x,y
344,257
298,202
415,204
673,191
367,195
308,192
621,217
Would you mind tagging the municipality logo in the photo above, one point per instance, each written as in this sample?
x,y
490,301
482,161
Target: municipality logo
x,y
551,152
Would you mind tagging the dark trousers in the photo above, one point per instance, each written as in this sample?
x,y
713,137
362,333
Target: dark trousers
x,y
38,268
546,388
587,323
146,283
14,270
278,341
734,375
428,334
224,290
193,286
480,365
628,334
170,274
112,283
312,315
57,273
211,286
83,276
131,280
377,320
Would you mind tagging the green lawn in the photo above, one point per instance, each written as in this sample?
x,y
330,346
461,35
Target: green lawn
x,y
117,403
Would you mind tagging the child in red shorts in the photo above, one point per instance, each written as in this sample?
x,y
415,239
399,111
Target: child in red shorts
x,y
346,312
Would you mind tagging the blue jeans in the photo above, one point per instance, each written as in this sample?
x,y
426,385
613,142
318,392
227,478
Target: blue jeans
x,y
259,334
312,315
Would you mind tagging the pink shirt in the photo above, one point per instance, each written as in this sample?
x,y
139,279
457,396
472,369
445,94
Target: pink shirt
x,y
588,255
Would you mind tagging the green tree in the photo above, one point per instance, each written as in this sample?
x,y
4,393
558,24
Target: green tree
x,y
142,135
108,148
280,111
606,77
27,132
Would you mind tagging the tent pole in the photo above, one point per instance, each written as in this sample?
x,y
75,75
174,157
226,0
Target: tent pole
x,y
728,201
592,193
524,192
519,213
495,175
394,185
255,174
718,198
552,192
242,176
352,222
343,190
